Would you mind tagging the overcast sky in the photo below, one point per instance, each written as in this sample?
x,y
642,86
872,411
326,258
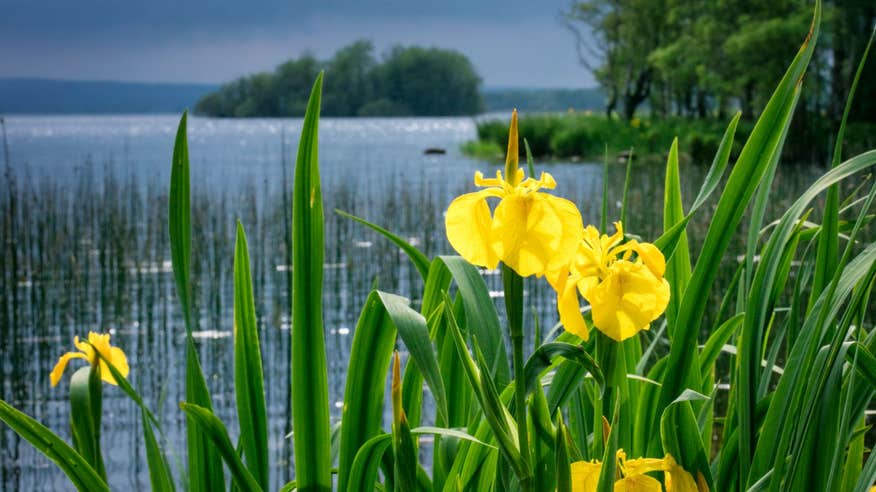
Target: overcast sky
x,y
512,43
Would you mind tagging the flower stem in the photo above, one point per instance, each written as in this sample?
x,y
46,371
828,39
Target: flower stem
x,y
513,286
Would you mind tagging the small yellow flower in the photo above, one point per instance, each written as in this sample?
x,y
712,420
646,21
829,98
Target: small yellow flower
x,y
625,294
102,343
632,475
530,231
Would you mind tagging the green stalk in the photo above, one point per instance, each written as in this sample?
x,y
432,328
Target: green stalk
x,y
513,284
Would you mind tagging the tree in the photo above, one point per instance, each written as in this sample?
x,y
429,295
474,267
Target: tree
x,y
614,39
409,81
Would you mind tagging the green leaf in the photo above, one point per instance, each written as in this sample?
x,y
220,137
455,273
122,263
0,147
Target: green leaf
x,y
383,316
497,415
80,473
248,375
404,449
363,473
762,146
677,265
866,362
205,467
828,241
373,343
564,472
159,471
214,430
681,436
481,317
420,261
609,457
310,406
85,416
544,357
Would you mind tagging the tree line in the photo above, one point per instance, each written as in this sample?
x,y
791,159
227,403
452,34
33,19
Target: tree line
x,y
407,81
699,59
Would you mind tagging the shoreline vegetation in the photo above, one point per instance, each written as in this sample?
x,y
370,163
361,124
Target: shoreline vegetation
x,y
588,136
406,81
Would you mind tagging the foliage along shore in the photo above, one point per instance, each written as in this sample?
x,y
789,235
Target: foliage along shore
x,y
589,136
408,81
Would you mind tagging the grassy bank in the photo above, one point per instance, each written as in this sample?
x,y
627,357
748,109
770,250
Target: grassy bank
x,y
587,136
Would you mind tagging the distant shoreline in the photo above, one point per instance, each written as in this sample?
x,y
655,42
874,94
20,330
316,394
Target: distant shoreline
x,y
39,96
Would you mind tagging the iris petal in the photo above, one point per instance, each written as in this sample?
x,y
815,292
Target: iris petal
x,y
677,479
469,227
627,300
58,370
585,476
637,483
536,232
569,308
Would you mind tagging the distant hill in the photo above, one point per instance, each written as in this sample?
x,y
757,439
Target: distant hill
x,y
534,100
74,96
47,96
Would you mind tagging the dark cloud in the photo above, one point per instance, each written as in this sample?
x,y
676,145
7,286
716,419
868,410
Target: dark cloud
x,y
510,43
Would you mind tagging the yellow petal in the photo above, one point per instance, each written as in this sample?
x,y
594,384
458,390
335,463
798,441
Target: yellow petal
x,y
58,370
677,479
469,227
536,232
585,476
641,466
637,483
652,257
627,300
119,361
570,309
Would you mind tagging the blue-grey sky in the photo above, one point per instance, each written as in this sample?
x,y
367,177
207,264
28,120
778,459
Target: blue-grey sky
x,y
512,43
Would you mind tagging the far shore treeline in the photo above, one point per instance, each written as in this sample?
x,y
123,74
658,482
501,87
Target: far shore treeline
x,y
406,81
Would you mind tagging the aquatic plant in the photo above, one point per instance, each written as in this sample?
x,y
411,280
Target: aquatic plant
x,y
596,405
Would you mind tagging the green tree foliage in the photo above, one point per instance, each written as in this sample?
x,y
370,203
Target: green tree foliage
x,y
407,81
699,59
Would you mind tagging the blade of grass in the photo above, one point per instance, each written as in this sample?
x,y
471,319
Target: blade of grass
x,y
205,466
214,430
248,374
678,265
85,415
764,142
310,406
80,473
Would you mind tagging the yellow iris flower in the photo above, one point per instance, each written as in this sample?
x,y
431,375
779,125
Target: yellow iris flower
x,y
632,475
86,351
530,231
625,293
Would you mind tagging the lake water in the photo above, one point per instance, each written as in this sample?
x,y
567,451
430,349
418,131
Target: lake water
x,y
85,248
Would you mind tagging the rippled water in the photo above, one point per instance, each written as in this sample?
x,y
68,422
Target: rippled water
x,y
84,247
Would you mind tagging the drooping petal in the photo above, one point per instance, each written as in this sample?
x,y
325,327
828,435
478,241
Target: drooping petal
x,y
641,466
627,300
678,479
58,370
469,228
536,232
637,483
585,476
652,257
570,309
